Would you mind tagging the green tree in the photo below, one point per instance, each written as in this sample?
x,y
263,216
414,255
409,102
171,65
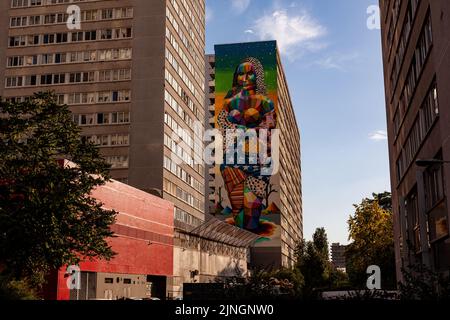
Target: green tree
x,y
320,240
313,263
371,233
47,217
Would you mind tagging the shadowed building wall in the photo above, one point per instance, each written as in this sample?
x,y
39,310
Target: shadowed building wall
x,y
415,41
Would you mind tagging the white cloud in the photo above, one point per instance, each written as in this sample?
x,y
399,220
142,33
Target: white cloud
x,y
378,135
249,31
337,61
209,14
329,63
239,6
294,33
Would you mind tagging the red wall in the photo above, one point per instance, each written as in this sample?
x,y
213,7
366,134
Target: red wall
x,y
144,227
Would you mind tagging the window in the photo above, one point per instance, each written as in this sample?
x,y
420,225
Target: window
x,y
49,38
104,96
90,35
47,58
120,33
433,182
60,57
74,98
62,17
17,41
125,53
124,13
77,36
61,37
14,81
18,21
107,14
117,161
90,15
19,3
89,76
33,40
86,119
31,60
15,61
75,77
34,20
50,19
428,113
120,117
109,280
73,57
124,74
103,118
412,216
59,78
106,34
104,75
46,79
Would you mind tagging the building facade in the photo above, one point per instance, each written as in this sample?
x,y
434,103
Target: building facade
x,y
417,74
338,255
143,230
269,205
133,76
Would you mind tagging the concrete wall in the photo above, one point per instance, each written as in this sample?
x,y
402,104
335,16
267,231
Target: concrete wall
x,y
147,109
211,266
144,236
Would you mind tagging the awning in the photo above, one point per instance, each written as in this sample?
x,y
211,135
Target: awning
x,y
219,231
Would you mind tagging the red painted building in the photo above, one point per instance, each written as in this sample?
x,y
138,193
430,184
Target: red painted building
x,y
144,247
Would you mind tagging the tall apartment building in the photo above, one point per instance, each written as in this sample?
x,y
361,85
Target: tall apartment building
x,y
415,40
338,255
280,203
133,76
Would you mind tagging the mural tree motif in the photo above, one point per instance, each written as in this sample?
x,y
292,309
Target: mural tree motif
x,y
219,208
270,188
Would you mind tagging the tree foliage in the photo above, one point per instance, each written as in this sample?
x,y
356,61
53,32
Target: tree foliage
x,y
265,284
47,217
421,283
16,289
371,232
313,263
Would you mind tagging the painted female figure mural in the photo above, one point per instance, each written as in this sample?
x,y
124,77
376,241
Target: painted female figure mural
x,y
246,106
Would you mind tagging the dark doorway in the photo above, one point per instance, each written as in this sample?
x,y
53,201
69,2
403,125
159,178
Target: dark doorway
x,y
158,286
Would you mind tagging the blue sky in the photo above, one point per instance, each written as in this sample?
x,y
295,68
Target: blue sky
x,y
334,70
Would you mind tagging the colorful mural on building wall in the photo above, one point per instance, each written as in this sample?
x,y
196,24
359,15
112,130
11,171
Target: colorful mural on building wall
x,y
246,99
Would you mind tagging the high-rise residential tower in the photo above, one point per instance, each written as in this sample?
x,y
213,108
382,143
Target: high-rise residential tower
x,y
132,74
241,194
338,255
415,40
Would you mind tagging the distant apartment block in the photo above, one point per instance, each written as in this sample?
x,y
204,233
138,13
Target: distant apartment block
x,y
338,255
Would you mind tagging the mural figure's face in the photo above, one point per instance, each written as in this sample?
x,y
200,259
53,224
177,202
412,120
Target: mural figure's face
x,y
246,76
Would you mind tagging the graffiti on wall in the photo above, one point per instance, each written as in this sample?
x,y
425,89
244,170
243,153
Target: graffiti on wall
x,y
246,105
